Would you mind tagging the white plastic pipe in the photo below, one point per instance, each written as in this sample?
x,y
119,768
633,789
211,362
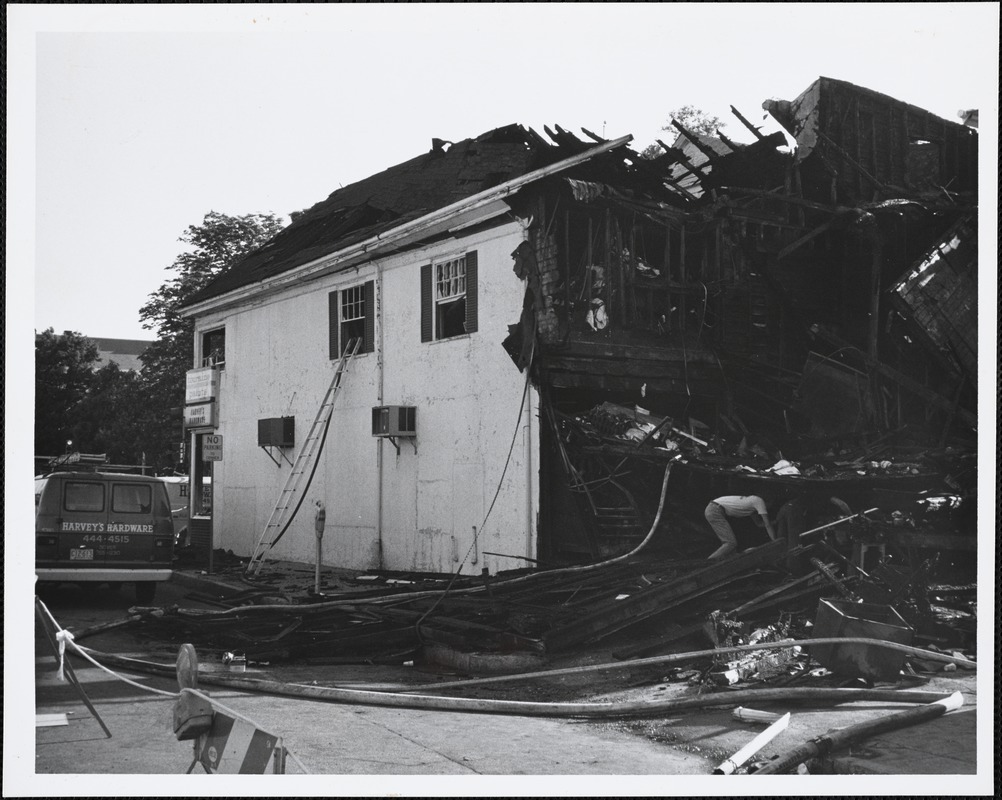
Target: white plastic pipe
x,y
756,744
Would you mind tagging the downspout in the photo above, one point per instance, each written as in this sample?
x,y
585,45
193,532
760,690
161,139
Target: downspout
x,y
528,474
379,402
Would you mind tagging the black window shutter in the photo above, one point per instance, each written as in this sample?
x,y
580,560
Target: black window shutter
x,y
426,321
471,291
332,324
369,343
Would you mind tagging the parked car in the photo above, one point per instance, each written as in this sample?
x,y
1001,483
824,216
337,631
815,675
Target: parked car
x,y
103,527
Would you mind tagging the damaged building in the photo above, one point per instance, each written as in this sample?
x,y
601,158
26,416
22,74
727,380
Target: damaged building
x,y
518,350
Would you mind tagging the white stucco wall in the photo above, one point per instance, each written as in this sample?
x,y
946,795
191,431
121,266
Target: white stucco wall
x,y
467,392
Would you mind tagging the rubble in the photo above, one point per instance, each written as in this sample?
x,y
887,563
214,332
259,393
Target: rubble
x,y
727,318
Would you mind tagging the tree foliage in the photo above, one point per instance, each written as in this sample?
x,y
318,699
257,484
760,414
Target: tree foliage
x,y
134,417
79,407
64,367
111,418
692,119
218,243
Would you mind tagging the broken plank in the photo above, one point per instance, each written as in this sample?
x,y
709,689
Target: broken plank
x,y
651,600
785,198
927,394
804,240
709,152
50,720
452,628
683,161
934,541
648,648
755,131
755,601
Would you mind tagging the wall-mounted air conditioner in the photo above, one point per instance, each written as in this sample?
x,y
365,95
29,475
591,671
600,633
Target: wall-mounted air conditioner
x,y
276,432
391,421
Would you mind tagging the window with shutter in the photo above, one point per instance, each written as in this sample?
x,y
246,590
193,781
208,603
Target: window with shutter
x,y
449,297
352,316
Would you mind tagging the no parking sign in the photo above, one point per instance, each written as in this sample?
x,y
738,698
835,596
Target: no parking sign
x,y
212,447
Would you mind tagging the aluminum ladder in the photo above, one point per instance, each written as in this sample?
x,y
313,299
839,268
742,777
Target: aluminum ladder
x,y
291,497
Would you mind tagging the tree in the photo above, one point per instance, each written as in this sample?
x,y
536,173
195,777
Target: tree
x,y
692,119
64,366
215,245
111,418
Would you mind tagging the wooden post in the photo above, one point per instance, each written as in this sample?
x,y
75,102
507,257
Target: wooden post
x,y
682,282
567,263
607,260
875,270
873,146
856,132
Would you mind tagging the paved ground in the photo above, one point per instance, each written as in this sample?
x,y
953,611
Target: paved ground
x,y
424,752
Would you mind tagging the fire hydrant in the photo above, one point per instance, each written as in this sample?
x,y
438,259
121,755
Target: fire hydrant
x,y
319,521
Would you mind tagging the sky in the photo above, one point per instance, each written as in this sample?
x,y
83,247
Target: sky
x,y
144,118
126,124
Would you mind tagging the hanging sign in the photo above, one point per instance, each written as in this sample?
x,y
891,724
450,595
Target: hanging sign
x,y
202,415
201,385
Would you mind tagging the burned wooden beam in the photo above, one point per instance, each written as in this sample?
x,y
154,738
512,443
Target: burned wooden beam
x,y
683,160
854,163
709,152
621,613
927,394
731,144
825,226
566,139
932,541
755,131
786,198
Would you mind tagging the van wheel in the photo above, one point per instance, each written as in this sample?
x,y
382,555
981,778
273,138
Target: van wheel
x,y
145,591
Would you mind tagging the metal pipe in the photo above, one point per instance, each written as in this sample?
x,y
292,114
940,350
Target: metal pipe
x,y
381,366
529,550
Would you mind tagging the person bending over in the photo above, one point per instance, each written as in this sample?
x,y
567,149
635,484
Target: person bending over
x,y
717,512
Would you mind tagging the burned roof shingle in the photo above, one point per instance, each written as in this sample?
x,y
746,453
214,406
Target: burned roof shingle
x,y
382,201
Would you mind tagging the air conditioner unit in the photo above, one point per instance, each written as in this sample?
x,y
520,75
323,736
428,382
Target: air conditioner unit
x,y
276,432
394,421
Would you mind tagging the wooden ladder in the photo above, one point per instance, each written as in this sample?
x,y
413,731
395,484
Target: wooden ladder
x,y
291,497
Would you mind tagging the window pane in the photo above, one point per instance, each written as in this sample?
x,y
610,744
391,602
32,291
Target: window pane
x,y
214,347
352,316
84,496
450,319
131,498
353,303
450,279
